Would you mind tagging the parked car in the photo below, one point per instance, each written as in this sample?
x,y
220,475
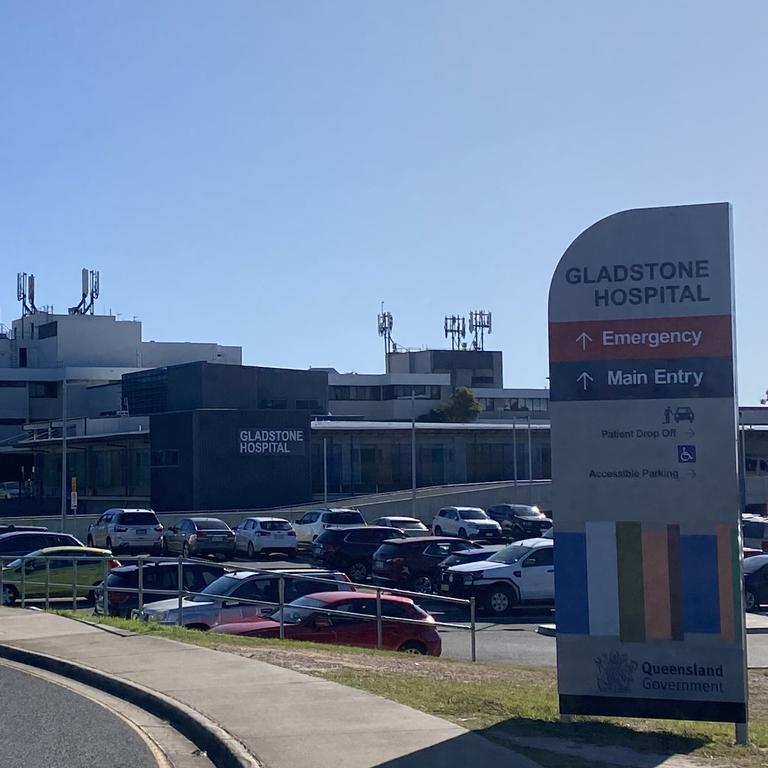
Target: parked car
x,y
467,556
221,601
199,536
754,529
56,565
265,535
13,528
520,521
755,582
410,526
156,576
304,619
521,572
413,564
19,543
10,489
466,523
351,549
128,530
313,523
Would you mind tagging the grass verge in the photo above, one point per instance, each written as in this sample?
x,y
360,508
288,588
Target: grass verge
x,y
511,705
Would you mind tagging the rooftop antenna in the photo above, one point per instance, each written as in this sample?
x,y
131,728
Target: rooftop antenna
x,y
25,293
385,330
455,326
90,292
479,323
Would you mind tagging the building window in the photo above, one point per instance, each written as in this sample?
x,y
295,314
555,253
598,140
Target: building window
x,y
47,330
273,405
13,384
165,458
481,380
22,357
43,389
308,405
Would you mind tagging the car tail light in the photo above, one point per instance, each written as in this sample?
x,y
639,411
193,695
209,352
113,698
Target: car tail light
x,y
120,529
765,545
113,563
202,535
230,535
118,597
291,533
159,528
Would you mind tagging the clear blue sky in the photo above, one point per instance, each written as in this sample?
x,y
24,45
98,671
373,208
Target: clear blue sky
x,y
266,173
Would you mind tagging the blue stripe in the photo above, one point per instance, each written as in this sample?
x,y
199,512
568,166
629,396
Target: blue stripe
x,y
701,593
589,380
571,601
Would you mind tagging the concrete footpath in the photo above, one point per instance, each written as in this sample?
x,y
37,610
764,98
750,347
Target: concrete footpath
x,y
283,718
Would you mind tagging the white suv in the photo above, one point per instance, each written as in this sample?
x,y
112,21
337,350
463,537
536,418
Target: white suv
x,y
522,572
313,523
466,523
265,535
126,529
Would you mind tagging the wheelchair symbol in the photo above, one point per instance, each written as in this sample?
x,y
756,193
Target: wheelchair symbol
x,y
686,454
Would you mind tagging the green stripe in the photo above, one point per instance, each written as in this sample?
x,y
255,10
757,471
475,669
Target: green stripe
x,y
736,579
629,549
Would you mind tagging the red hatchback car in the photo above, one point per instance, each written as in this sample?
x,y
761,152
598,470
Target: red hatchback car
x,y
304,619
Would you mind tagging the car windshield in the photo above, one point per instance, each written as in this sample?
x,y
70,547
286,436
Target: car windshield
x,y
755,563
409,525
221,587
344,518
472,514
510,554
138,518
211,525
297,610
275,525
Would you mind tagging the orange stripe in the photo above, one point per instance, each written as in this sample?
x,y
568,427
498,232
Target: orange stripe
x,y
725,583
658,613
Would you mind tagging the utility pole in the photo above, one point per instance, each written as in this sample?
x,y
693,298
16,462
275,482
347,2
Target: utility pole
x,y
64,453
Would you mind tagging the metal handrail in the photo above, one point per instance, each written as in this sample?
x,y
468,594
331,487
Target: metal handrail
x,y
101,592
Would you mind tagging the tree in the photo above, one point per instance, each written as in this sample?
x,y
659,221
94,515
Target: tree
x,y
462,407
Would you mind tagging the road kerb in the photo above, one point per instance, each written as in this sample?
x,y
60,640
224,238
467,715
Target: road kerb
x,y
222,747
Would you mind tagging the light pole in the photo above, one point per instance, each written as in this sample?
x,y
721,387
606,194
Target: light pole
x,y
63,453
413,451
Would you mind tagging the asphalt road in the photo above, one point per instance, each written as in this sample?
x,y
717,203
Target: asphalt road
x,y
43,725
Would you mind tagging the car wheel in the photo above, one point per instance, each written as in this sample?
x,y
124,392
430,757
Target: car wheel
x,y
501,599
412,646
750,601
200,627
185,550
10,595
438,531
422,583
89,541
251,550
462,533
358,572
164,547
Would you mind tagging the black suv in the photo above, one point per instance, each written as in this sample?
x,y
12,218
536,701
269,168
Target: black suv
x,y
520,521
413,564
20,543
156,576
351,549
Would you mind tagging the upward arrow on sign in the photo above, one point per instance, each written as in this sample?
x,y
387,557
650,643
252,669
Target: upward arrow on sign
x,y
583,338
584,378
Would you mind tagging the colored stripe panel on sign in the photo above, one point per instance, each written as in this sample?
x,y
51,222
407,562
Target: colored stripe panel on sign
x,y
675,571
658,617
701,599
629,550
602,579
571,602
641,338
736,585
725,583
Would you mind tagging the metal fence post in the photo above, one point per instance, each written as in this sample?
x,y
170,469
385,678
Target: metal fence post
x,y
281,601
2,590
472,628
180,618
74,583
379,640
23,582
105,588
140,563
47,583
